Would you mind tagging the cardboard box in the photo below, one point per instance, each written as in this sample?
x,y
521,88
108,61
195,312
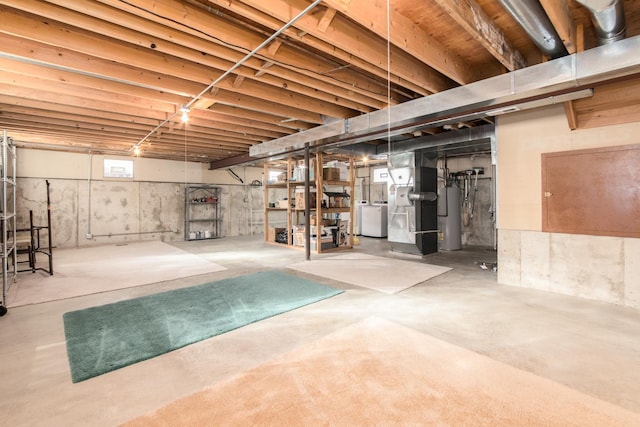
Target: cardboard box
x,y
343,234
325,221
337,202
283,204
331,174
298,238
272,232
300,200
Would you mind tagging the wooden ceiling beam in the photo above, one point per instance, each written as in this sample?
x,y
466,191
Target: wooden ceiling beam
x,y
196,47
25,105
55,57
110,49
90,104
264,17
368,46
234,98
240,124
97,122
48,140
37,85
78,80
189,19
242,121
200,124
125,139
472,18
326,19
408,36
263,69
285,98
273,119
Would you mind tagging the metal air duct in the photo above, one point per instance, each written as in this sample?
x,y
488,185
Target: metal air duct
x,y
469,136
608,19
544,84
534,20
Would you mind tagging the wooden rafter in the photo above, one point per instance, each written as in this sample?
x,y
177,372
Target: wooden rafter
x,y
472,18
326,19
364,45
407,35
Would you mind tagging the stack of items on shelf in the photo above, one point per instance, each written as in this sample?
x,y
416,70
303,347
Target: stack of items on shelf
x,y
325,212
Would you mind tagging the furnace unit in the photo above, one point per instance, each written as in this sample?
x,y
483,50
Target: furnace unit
x,y
413,208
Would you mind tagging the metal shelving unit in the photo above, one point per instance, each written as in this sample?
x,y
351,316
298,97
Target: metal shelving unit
x,y
201,212
8,217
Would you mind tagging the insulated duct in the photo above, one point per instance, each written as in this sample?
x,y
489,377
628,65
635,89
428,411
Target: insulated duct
x,y
479,134
608,19
548,83
534,20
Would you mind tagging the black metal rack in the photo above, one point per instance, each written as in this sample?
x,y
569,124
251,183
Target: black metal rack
x,y
34,243
201,212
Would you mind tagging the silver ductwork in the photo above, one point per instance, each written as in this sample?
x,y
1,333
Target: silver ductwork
x,y
543,84
608,19
467,136
534,20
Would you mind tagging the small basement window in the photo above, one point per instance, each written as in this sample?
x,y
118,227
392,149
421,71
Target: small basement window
x,y
381,175
118,168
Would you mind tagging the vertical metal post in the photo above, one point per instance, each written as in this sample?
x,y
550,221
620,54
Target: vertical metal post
x,y
4,218
307,204
49,230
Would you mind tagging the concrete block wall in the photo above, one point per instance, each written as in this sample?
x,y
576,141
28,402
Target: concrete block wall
x,y
148,207
121,211
593,267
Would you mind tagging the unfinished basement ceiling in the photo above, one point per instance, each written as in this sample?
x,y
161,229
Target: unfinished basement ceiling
x,y
100,76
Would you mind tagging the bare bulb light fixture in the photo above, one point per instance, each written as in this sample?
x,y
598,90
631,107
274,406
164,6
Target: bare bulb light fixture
x,y
185,113
136,151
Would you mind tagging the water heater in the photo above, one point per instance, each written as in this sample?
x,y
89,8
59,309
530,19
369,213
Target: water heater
x,y
449,219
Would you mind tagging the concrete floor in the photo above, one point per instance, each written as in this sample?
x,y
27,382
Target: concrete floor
x,y
589,346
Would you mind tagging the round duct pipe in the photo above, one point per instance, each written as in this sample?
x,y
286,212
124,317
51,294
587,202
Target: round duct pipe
x,y
608,19
423,197
534,20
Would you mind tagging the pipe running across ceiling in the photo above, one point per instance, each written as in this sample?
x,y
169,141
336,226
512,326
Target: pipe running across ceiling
x,y
533,19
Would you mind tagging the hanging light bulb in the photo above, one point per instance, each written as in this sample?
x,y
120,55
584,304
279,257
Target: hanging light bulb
x,y
185,113
136,150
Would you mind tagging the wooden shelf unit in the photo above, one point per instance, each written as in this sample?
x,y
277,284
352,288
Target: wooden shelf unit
x,y
328,217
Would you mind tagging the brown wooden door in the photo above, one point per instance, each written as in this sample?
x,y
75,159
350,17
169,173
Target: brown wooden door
x,y
594,191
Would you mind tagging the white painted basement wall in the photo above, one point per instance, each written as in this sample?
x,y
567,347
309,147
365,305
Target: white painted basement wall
x,y
594,267
148,207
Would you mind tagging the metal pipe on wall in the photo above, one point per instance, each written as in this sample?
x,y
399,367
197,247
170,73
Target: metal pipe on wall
x,y
134,233
88,235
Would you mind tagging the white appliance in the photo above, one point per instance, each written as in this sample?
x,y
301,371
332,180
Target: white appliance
x,y
374,220
358,227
